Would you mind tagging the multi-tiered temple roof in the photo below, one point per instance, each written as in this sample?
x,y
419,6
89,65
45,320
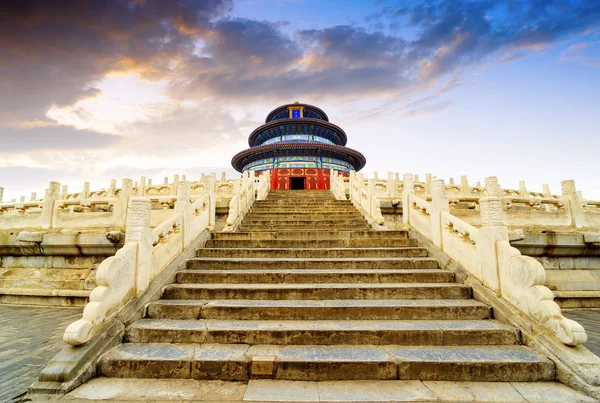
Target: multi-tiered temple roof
x,y
298,136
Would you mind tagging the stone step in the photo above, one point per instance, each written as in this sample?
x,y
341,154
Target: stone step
x,y
271,200
577,299
317,243
437,309
302,217
303,210
311,235
323,332
43,296
308,276
318,291
283,228
286,223
277,390
208,263
309,205
319,363
481,363
312,252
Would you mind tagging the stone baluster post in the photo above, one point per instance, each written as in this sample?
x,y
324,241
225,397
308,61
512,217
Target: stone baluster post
x,y
124,195
361,185
85,192
142,186
52,194
32,198
439,204
546,190
138,230
370,195
409,187
183,206
173,189
376,175
492,230
149,181
451,181
350,182
391,185
1,194
210,184
22,199
523,190
427,184
234,204
569,192
112,188
223,177
64,192
492,187
464,186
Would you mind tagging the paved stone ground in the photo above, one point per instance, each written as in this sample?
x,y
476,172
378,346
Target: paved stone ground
x,y
189,390
29,338
590,320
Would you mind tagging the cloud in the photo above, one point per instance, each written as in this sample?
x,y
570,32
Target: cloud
x,y
52,53
15,140
208,72
585,53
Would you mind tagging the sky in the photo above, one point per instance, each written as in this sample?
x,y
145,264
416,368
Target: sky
x,y
96,90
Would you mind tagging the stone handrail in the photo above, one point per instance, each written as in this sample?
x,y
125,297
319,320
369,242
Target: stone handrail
x,y
145,254
520,207
487,256
262,185
337,186
418,214
364,198
245,191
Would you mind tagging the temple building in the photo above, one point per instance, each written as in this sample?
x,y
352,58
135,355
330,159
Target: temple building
x,y
300,147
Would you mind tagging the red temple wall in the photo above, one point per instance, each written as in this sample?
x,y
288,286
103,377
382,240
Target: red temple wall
x,y
314,178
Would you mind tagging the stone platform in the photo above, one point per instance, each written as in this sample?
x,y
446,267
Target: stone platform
x,y
590,320
29,337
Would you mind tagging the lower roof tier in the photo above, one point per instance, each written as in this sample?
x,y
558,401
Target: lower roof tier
x,y
348,155
268,164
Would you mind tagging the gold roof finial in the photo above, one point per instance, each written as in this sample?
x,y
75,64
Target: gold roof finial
x,y
296,102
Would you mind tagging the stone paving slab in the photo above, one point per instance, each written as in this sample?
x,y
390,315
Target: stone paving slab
x,y
590,320
186,390
29,338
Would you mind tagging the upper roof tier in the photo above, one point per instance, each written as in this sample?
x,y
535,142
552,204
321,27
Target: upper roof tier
x,y
309,111
286,126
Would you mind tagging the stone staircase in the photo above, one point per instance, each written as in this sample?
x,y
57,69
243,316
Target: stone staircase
x,y
306,291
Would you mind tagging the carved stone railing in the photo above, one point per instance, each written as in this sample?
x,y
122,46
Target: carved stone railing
x,y
103,208
337,186
487,256
520,207
245,192
364,198
145,255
